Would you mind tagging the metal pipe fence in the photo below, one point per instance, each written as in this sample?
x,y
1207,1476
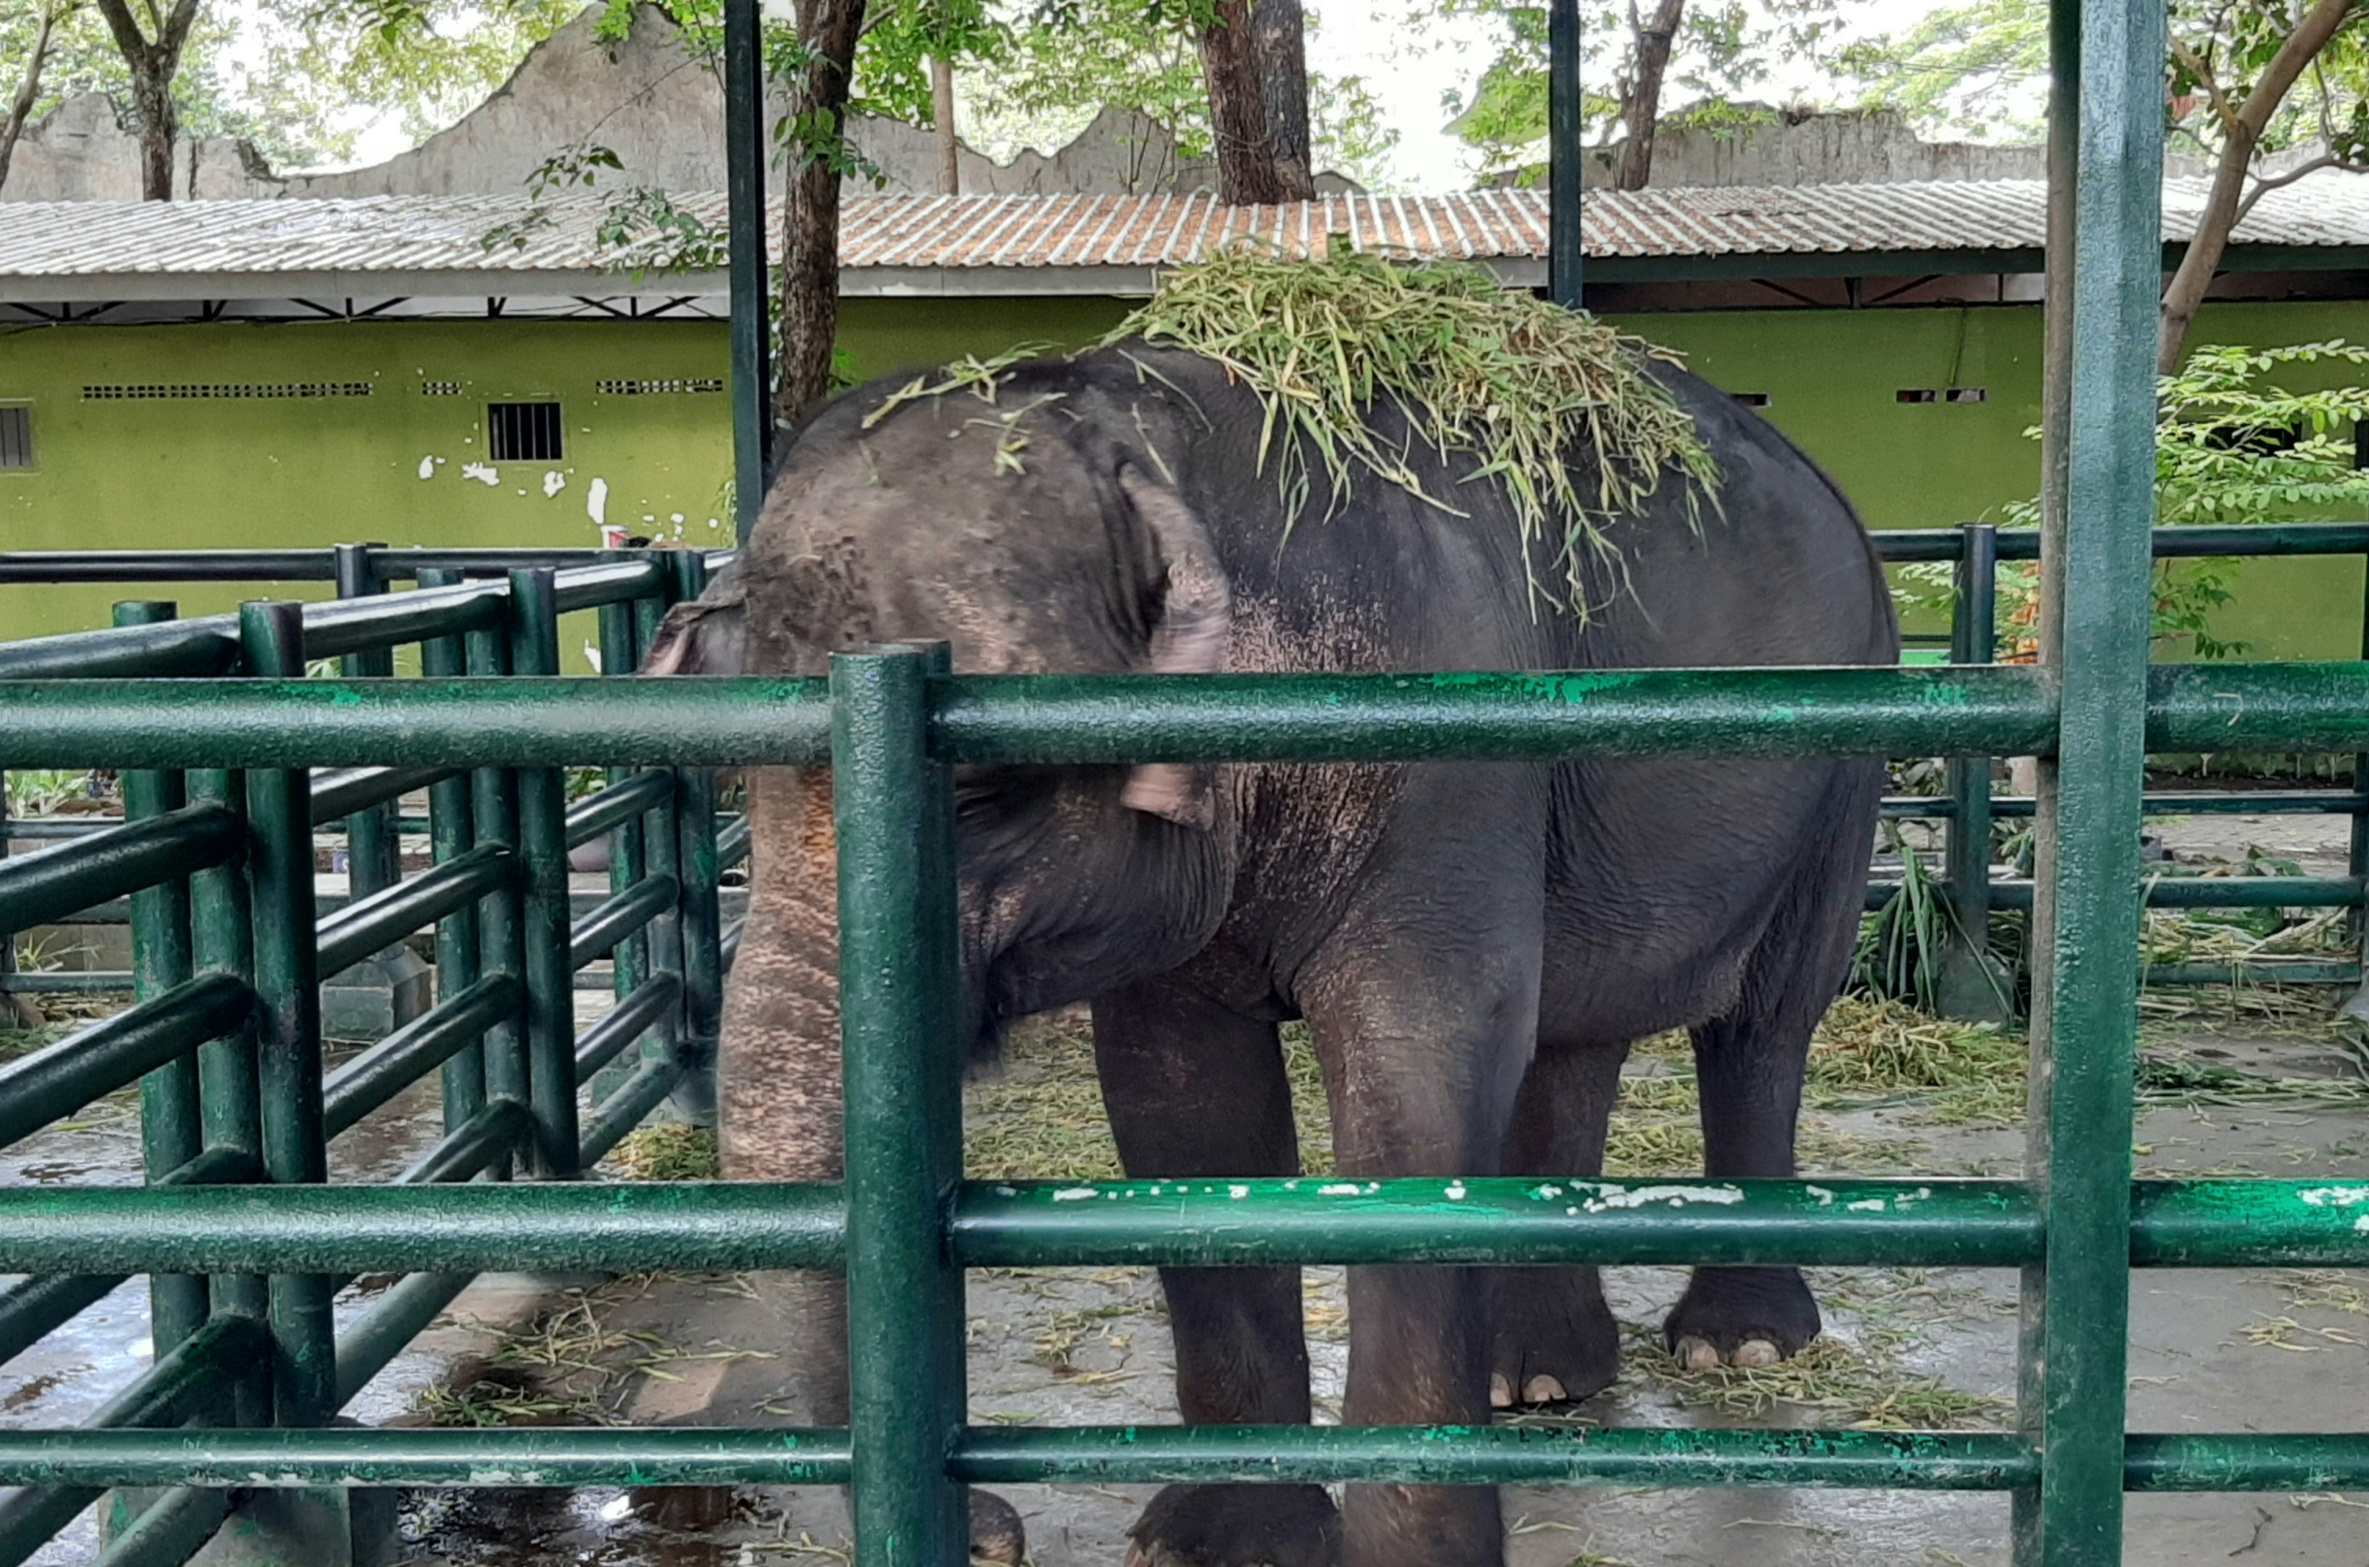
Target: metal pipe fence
x,y
1967,804
223,1040
242,1238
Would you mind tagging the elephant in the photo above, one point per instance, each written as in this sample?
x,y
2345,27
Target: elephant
x,y
1473,947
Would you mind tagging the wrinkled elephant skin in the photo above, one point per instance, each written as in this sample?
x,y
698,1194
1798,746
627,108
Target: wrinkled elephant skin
x,y
1474,946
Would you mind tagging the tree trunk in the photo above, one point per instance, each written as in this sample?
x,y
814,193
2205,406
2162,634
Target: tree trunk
x,y
1280,36
942,112
153,64
2242,129
27,93
1246,171
810,225
1641,106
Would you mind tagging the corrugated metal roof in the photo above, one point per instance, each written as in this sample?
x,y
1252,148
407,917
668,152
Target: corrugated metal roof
x,y
416,235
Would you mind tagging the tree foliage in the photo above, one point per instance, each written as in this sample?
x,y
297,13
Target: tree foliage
x,y
1723,53
2240,437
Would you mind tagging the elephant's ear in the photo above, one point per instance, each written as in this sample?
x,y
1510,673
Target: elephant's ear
x,y
1189,638
703,636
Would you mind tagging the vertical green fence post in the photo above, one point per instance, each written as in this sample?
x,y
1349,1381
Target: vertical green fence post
x,y
545,917
697,920
373,850
451,834
898,992
312,1527
2094,638
1565,258
501,922
170,1131
1973,984
620,655
745,147
230,1097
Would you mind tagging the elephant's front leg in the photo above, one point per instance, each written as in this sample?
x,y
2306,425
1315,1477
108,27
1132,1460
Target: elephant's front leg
x,y
1424,1039
1194,1090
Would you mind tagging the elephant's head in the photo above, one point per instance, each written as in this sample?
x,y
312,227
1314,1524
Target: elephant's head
x,y
1041,533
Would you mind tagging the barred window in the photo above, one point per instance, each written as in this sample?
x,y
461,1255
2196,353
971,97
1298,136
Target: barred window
x,y
523,432
16,436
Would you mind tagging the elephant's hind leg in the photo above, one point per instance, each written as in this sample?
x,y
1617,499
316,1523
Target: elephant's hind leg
x,y
1554,1337
1750,1064
1194,1090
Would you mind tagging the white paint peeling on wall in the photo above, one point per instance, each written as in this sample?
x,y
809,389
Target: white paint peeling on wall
x,y
484,474
427,467
596,503
553,483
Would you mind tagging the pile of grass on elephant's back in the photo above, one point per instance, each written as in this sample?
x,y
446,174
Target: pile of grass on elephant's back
x,y
1542,400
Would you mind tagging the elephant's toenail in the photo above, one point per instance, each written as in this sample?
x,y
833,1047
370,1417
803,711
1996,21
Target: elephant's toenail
x,y
1543,1390
1501,1391
1696,1354
1756,1352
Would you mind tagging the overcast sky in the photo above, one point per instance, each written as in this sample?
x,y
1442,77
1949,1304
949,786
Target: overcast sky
x,y
1406,75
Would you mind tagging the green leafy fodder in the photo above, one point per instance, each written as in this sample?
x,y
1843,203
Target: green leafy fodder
x,y
1560,409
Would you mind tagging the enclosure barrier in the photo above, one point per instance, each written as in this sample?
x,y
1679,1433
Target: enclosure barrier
x,y
224,1040
1967,804
891,723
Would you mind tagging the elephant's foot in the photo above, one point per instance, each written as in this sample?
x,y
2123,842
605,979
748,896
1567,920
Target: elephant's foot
x,y
1555,1338
1741,1317
1237,1526
996,1535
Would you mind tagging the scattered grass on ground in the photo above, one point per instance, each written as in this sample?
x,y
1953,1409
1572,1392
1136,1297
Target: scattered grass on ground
x,y
1854,1374
667,1151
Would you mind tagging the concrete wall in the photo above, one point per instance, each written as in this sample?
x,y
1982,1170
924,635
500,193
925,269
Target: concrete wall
x,y
130,474
647,97
1853,147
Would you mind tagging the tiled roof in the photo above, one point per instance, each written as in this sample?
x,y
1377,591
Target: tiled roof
x,y
425,238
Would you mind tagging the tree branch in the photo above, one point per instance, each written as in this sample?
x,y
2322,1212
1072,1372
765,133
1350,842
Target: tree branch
x,y
29,90
2195,65
2264,187
2303,46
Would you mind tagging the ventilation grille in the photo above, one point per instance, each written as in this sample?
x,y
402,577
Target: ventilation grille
x,y
651,388
523,432
440,389
16,437
226,389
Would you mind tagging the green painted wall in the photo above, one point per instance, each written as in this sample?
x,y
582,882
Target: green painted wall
x,y
397,465
128,474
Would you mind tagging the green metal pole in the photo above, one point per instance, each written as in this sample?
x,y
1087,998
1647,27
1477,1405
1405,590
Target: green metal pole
x,y
620,655
745,145
543,854
1566,263
898,982
451,834
1973,985
698,925
373,852
170,1133
295,1152
222,936
2095,632
494,795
